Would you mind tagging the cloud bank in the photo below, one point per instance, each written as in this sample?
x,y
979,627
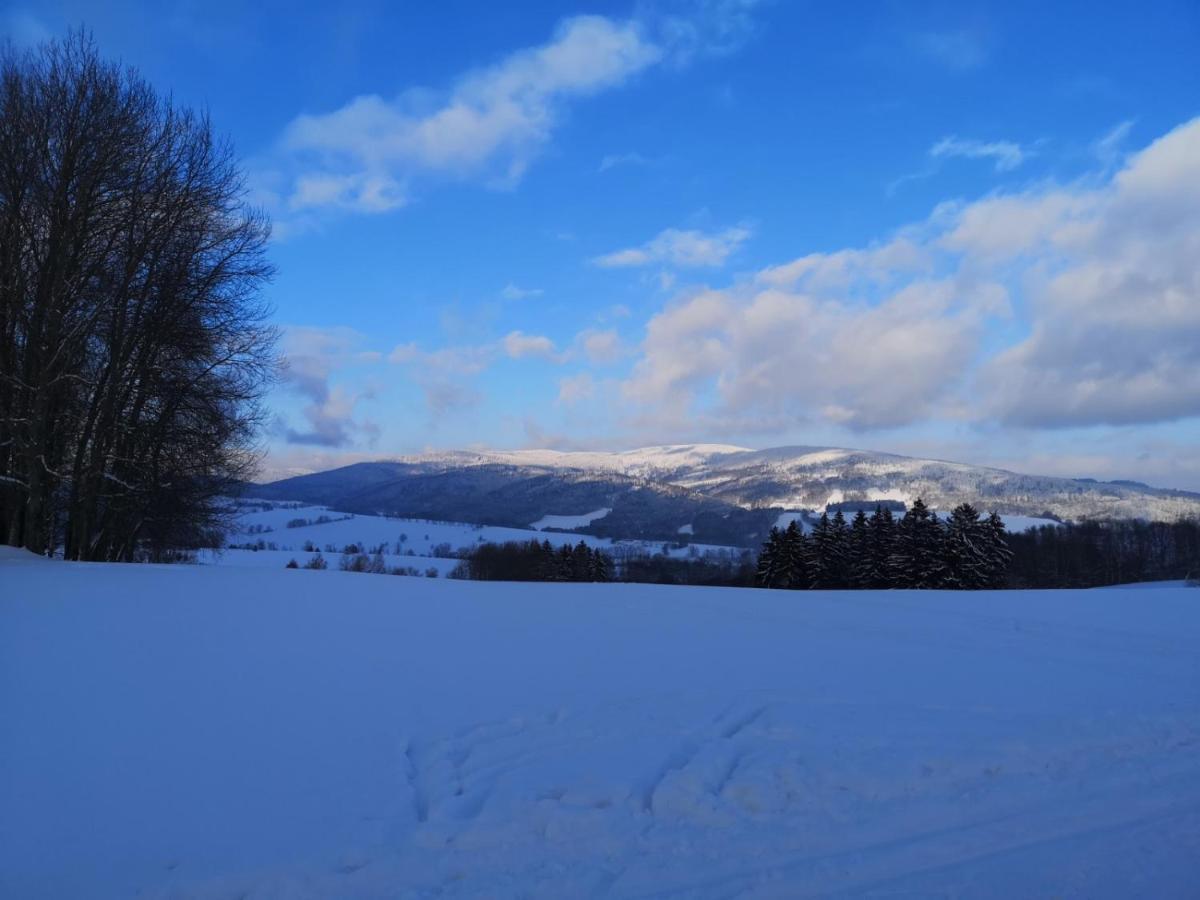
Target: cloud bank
x,y
1097,285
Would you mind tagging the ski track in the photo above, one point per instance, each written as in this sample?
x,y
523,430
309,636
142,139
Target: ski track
x,y
714,774
457,740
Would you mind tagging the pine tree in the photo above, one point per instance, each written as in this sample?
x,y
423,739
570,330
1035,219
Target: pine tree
x,y
581,562
999,556
916,558
882,536
601,566
839,545
772,561
795,551
819,555
965,550
858,556
829,547
564,563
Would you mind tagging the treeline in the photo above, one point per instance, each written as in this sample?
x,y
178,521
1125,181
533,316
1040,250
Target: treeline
x,y
534,561
1092,554
133,350
965,551
709,570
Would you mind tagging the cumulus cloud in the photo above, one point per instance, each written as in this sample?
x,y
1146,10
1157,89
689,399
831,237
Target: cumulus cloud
x,y
791,355
1114,278
491,123
311,356
1006,155
601,347
681,248
446,361
519,345
1096,286
575,389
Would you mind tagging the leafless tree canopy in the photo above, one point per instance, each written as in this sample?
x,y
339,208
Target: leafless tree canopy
x,y
133,347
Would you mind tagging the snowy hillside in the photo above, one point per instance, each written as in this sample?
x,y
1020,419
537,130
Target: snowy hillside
x,y
210,732
721,494
418,543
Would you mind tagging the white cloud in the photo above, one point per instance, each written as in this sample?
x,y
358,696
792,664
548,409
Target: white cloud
x,y
1095,286
779,353
1108,148
601,347
311,357
615,160
675,247
448,361
516,292
900,255
491,124
1006,155
1114,280
519,345
575,389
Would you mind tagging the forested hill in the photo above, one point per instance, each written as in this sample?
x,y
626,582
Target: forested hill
x,y
706,493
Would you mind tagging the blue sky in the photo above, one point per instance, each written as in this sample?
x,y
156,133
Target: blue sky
x,y
964,230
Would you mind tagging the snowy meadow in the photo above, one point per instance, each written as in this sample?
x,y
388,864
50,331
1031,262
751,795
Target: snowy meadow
x,y
222,732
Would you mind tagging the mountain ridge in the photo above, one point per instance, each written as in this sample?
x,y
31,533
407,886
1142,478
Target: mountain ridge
x,y
716,493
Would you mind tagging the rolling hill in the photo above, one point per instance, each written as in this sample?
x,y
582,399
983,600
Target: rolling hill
x,y
714,493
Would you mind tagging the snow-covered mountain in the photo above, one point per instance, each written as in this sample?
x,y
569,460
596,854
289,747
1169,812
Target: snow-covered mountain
x,y
715,492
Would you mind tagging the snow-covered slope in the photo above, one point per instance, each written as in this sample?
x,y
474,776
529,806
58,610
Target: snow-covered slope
x,y
725,493
207,732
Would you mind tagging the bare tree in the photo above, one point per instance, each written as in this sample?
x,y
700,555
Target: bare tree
x,y
133,348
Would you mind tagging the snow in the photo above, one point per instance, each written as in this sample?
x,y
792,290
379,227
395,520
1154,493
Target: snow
x,y
568,522
786,518
1018,524
687,529
278,559
220,732
426,540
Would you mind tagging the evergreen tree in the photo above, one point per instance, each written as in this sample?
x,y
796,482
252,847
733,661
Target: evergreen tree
x,y
581,562
839,547
828,557
965,550
916,558
564,563
547,560
999,556
819,553
858,554
882,538
795,551
772,561
601,566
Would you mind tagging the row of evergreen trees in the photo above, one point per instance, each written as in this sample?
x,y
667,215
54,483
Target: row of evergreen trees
x,y
965,551
534,561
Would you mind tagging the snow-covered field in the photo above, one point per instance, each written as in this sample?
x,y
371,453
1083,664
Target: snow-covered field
x,y
417,543
223,732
